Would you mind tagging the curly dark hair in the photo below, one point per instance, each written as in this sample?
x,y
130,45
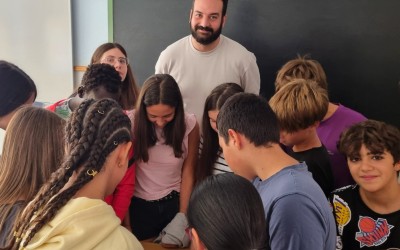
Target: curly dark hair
x,y
101,74
375,135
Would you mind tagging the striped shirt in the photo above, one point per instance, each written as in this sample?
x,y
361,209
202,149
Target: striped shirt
x,y
220,166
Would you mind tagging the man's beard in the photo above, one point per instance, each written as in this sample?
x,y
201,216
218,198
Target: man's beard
x,y
205,39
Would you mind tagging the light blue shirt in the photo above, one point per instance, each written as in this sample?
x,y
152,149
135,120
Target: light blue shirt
x,y
297,212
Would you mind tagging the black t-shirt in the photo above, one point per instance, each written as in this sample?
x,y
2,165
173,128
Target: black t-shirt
x,y
9,222
358,227
319,164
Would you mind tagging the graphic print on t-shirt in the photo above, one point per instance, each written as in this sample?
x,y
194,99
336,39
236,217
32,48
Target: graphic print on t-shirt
x,y
372,232
342,212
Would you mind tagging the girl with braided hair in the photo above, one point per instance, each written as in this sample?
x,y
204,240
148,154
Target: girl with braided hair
x,y
69,211
166,144
33,150
102,81
115,55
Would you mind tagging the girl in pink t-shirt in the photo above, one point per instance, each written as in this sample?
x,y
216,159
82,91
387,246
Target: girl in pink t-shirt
x,y
166,151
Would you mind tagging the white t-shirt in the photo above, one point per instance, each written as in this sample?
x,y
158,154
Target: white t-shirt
x,y
198,73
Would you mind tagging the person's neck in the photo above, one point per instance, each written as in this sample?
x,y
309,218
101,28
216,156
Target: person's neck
x,y
3,125
268,161
331,110
4,120
91,190
384,201
311,142
205,48
75,102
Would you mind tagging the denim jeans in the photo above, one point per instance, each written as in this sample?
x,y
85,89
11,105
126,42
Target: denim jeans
x,y
148,218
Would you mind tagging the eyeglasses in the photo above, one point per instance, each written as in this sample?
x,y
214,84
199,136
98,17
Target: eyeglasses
x,y
112,60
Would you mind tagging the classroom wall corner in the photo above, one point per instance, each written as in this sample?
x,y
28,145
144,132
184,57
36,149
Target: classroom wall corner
x,y
110,21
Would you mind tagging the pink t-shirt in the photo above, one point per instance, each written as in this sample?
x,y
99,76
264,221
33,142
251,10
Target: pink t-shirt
x,y
163,172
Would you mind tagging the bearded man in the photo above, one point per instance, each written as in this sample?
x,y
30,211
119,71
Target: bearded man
x,y
203,60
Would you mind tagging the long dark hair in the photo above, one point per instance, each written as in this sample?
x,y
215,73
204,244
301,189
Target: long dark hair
x,y
16,88
210,147
93,131
130,89
158,89
227,213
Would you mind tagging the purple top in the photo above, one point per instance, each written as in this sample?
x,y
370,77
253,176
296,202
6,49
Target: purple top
x,y
329,132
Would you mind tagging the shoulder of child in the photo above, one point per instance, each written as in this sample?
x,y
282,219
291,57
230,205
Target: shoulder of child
x,y
354,115
191,121
296,217
343,193
346,189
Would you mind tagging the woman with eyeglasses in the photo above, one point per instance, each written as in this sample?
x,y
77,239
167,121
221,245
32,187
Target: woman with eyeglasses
x,y
225,212
115,55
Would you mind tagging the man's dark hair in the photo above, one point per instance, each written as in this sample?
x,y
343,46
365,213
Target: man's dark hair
x,y
250,115
224,6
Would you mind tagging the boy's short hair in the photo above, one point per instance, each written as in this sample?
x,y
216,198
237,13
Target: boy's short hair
x,y
375,135
301,68
299,104
250,115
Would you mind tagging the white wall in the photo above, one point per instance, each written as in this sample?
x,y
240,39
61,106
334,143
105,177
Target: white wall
x,y
89,31
37,37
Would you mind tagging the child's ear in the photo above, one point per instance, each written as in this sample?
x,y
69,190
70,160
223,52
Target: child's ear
x,y
124,152
235,138
397,166
196,240
315,125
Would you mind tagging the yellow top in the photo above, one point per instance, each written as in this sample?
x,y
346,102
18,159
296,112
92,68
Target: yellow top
x,y
84,223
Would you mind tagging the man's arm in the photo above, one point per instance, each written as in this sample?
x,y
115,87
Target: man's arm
x,y
296,224
161,65
250,81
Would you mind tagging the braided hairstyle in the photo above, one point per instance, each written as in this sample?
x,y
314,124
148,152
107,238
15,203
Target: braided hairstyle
x,y
93,131
101,74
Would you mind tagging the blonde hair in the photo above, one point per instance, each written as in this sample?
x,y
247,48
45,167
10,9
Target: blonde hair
x,y
299,104
33,149
301,68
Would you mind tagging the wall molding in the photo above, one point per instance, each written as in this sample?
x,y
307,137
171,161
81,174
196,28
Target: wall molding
x,y
80,68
